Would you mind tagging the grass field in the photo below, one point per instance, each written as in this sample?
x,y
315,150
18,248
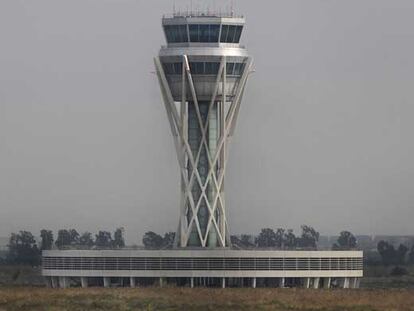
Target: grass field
x,y
122,299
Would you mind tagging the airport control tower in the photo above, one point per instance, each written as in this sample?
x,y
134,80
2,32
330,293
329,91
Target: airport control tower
x,y
202,72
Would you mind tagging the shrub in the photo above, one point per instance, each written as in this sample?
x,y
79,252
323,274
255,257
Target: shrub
x,y
399,271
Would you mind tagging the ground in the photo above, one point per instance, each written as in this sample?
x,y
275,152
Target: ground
x,y
123,299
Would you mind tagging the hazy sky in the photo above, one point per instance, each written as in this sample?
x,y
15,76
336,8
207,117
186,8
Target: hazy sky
x,y
324,135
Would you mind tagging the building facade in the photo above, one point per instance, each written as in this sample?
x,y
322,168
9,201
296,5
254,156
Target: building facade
x,y
199,267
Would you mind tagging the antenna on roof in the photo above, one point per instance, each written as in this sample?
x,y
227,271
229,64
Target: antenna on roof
x,y
232,8
174,7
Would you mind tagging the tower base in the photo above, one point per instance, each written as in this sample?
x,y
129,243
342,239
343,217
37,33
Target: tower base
x,y
203,267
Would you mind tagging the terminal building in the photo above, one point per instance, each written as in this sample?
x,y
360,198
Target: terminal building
x,y
202,72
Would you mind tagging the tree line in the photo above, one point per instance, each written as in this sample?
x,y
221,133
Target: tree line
x,y
395,256
267,238
23,248
286,239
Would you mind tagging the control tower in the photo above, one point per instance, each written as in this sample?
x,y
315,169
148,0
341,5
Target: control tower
x,y
202,72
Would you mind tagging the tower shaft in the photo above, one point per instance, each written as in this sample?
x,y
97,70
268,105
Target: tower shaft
x,y
201,131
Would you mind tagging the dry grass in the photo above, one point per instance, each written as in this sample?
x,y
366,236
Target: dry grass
x,y
122,299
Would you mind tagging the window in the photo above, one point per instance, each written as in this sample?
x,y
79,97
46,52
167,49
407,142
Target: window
x,y
178,68
193,33
211,68
214,33
238,69
231,33
183,33
176,33
224,31
204,33
173,68
229,68
238,34
168,68
204,68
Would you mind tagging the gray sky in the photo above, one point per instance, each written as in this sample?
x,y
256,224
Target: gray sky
x,y
324,136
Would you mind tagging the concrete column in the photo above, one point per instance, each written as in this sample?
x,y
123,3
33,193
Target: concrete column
x,y
107,282
161,282
357,281
346,282
48,281
192,282
132,282
326,283
84,282
282,282
223,282
315,282
63,282
55,282
306,282
254,282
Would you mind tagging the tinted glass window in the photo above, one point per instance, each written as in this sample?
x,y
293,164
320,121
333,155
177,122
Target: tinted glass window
x,y
229,68
204,68
230,34
176,33
167,30
224,31
238,34
199,68
214,33
169,68
173,68
211,68
204,33
183,33
238,69
193,33
178,68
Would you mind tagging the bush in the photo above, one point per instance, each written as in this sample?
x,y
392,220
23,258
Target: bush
x,y
398,271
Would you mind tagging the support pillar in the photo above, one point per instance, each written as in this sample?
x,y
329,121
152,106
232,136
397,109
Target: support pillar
x,y
63,282
48,281
326,283
307,282
357,282
223,283
192,282
84,282
107,282
282,282
161,282
346,282
55,282
316,282
254,282
132,282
